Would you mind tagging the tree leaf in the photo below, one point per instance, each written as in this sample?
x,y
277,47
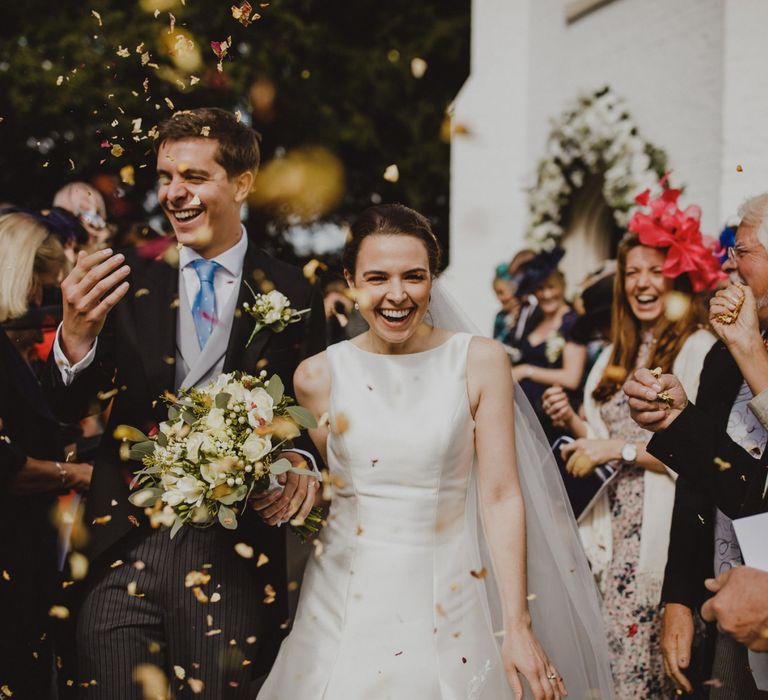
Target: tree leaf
x,y
275,388
302,416
222,399
227,517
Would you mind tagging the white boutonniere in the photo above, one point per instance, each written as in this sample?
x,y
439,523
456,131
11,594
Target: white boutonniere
x,y
272,310
554,348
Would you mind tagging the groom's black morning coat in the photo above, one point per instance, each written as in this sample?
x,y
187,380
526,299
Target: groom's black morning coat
x,y
135,355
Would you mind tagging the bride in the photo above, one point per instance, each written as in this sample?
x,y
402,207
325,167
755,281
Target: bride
x,y
432,580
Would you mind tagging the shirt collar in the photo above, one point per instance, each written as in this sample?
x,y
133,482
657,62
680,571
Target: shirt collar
x,y
231,259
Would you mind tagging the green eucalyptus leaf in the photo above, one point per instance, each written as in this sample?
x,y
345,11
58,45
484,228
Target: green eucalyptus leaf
x,y
145,497
161,439
280,466
235,497
188,416
176,526
222,399
275,388
173,414
227,517
302,416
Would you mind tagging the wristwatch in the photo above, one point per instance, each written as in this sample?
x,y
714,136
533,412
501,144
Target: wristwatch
x,y
629,453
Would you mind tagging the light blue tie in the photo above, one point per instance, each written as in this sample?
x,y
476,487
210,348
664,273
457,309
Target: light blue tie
x,y
204,308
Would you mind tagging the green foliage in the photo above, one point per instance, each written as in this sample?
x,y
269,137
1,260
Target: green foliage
x,y
340,70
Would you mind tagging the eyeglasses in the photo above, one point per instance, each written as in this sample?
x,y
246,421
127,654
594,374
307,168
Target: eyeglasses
x,y
735,254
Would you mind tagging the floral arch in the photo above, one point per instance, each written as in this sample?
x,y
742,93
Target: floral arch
x,y
596,136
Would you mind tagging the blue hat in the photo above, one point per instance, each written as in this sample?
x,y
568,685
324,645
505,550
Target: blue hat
x,y
536,270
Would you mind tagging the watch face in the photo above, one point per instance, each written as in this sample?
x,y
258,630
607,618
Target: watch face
x,y
629,453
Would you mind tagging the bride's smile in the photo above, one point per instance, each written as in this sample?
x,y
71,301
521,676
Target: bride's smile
x,y
393,280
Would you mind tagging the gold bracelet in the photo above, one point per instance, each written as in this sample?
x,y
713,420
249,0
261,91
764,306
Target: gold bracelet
x,y
63,473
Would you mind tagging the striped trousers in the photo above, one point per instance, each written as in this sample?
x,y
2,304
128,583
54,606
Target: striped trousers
x,y
179,616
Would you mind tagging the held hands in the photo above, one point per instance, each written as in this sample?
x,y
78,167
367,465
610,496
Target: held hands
x,y
556,405
744,332
582,456
89,292
740,605
676,643
522,653
646,407
295,499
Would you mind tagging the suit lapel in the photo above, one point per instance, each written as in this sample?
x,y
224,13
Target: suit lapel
x,y
155,316
238,356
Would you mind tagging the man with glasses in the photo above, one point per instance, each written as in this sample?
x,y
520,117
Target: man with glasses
x,y
717,447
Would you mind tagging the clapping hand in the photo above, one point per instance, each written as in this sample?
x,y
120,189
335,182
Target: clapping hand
x,y
745,329
294,499
557,406
584,455
89,292
522,653
648,408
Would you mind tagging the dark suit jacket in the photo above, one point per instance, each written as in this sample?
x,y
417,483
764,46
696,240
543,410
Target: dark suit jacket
x,y
28,540
690,446
135,355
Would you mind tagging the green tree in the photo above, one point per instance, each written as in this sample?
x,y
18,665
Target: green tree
x,y
340,73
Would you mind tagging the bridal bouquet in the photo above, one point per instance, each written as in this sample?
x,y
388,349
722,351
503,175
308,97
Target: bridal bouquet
x,y
219,445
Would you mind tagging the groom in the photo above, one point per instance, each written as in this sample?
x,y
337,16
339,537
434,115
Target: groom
x,y
134,328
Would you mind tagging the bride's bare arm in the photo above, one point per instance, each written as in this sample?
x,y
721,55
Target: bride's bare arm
x,y
312,382
491,393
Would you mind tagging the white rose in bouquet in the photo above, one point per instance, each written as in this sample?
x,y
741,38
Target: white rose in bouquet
x,y
260,407
187,489
215,419
255,447
197,442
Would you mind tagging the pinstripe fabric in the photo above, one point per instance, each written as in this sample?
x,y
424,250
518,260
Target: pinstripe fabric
x,y
731,668
164,623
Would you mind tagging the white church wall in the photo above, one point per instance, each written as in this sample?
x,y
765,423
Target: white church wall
x,y
689,70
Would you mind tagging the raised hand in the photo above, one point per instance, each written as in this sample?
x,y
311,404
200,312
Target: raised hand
x,y
676,643
744,331
89,292
646,407
522,653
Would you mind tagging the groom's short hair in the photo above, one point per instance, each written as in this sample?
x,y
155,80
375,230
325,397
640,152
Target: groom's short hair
x,y
238,150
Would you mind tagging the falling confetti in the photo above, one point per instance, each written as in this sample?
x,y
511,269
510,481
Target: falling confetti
x,y
117,150
722,465
262,560
196,685
418,67
676,305
59,612
98,17
482,573
179,672
244,550
739,169
392,173
196,578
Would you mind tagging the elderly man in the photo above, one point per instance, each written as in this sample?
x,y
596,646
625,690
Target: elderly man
x,y
717,447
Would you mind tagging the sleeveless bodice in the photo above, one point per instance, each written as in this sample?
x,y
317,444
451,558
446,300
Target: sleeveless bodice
x,y
393,603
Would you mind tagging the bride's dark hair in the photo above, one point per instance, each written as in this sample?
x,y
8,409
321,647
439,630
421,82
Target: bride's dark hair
x,y
391,219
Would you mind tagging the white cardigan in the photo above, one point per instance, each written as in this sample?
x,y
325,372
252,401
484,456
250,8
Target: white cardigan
x,y
659,489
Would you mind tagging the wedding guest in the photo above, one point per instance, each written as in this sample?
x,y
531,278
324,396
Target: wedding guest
x,y
626,531
32,468
592,329
740,606
87,204
717,446
548,355
516,311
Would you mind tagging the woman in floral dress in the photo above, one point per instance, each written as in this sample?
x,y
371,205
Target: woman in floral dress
x,y
626,530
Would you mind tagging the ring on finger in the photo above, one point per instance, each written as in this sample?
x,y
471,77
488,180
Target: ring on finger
x,y
552,676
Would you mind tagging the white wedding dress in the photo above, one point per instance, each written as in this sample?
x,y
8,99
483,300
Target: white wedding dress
x,y
395,604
